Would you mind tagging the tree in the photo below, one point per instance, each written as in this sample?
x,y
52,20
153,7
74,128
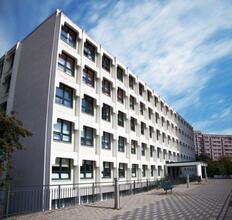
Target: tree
x,y
11,134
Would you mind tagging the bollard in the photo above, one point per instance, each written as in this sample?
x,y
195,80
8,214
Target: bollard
x,y
187,180
59,194
116,195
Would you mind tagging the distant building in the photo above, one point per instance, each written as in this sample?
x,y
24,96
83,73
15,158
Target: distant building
x,y
213,145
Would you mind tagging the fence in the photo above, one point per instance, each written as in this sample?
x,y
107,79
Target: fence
x,y
30,199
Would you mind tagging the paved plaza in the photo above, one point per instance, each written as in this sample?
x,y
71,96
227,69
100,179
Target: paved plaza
x,y
205,201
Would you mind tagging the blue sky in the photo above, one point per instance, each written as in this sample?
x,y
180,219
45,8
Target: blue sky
x,y
182,49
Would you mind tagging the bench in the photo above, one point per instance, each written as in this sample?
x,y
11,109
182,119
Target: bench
x,y
167,186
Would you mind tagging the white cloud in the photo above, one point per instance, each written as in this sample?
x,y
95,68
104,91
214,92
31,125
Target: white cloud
x,y
168,44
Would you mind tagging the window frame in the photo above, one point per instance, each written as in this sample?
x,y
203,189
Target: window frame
x,y
61,133
69,71
106,112
106,140
121,144
106,170
63,88
85,140
89,51
87,105
84,169
61,169
88,76
68,39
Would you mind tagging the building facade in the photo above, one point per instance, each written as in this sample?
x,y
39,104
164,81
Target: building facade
x,y
213,145
92,119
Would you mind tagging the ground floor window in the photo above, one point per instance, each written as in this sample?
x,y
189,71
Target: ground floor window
x,y
144,168
86,170
106,170
121,170
61,169
134,170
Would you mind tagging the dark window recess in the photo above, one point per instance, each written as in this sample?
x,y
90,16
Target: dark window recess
x,y
132,123
86,170
134,170
120,73
121,170
106,63
64,95
133,146
151,131
87,136
149,113
89,51
131,82
142,108
7,84
66,64
141,89
121,144
88,76
151,150
106,87
143,149
121,118
68,36
62,131
106,141
61,169
144,168
106,112
132,102
120,95
148,96
106,170
142,128
88,105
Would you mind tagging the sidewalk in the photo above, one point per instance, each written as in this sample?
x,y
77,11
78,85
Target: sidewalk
x,y
205,201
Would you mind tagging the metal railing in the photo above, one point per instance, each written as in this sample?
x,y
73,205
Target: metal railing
x,y
30,199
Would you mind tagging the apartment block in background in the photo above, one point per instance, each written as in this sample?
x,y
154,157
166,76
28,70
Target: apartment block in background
x,y
213,145
92,119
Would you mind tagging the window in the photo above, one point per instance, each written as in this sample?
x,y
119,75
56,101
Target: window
x,y
151,129
120,95
121,144
158,152
144,168
157,134
64,95
88,76
121,170
141,89
163,121
106,63
120,118
61,169
7,84
68,36
156,117
106,112
106,170
148,96
134,170
106,87
88,105
133,146
66,64
156,101
11,60
143,149
131,82
86,170
132,102
1,69
132,123
142,128
163,137
87,136
151,150
62,131
120,73
89,51
142,108
159,170
149,113
106,141
152,170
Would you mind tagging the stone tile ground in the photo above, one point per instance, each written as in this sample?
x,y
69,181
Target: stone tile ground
x,y
205,201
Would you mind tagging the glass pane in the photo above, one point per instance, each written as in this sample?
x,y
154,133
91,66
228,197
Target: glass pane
x,y
66,128
66,138
64,175
57,127
55,175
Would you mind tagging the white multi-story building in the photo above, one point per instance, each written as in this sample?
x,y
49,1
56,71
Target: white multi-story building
x,y
92,119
